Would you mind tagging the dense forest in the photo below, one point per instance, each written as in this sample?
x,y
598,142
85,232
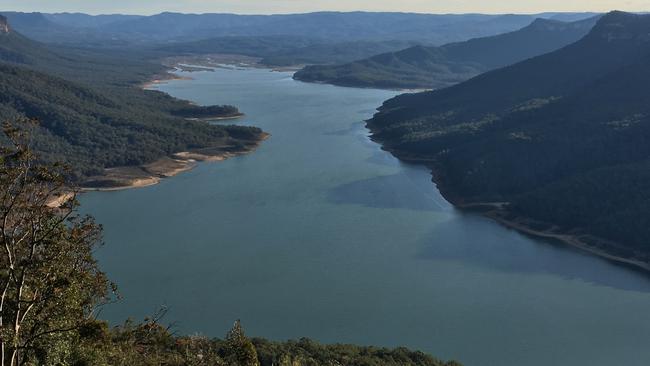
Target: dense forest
x,y
437,67
563,138
91,111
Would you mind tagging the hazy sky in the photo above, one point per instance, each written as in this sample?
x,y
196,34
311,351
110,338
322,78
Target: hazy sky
x,y
298,6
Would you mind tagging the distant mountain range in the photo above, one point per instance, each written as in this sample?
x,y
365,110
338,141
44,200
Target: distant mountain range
x,y
437,67
278,40
562,139
324,26
285,50
18,49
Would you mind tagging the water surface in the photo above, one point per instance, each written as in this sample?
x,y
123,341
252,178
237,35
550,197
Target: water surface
x,y
322,234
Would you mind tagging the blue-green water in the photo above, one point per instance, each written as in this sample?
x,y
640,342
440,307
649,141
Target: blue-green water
x,y
320,233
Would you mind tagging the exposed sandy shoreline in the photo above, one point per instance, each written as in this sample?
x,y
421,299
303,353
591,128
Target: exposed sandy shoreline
x,y
121,178
128,177
59,199
160,79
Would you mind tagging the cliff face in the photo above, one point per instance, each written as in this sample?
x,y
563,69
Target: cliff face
x,y
4,25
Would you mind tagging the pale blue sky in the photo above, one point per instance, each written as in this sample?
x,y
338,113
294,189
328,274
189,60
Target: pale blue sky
x,y
299,6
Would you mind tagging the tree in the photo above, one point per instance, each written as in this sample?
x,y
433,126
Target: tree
x,y
49,281
239,350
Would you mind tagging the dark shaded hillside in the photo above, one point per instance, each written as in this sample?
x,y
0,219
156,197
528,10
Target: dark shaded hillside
x,y
93,115
564,137
540,37
436,67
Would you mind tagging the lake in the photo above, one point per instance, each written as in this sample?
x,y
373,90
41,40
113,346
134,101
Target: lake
x,y
321,234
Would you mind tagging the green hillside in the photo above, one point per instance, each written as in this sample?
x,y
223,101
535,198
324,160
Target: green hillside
x,y
92,113
563,138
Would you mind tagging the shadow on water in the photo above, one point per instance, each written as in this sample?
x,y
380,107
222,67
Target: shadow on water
x,y
405,190
358,129
472,239
501,249
345,131
382,158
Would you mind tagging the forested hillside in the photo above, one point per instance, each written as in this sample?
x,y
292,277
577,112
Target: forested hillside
x,y
437,67
93,114
563,138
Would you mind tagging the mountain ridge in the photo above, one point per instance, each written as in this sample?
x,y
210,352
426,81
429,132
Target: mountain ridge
x,y
331,26
436,67
562,138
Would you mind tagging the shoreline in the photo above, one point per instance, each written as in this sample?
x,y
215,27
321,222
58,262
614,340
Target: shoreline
x,y
496,211
171,75
147,175
341,85
210,62
568,239
161,79
217,118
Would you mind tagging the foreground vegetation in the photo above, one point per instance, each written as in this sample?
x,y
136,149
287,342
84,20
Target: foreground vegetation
x,y
51,288
562,139
152,344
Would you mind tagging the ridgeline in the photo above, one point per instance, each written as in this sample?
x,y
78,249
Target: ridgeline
x,y
558,143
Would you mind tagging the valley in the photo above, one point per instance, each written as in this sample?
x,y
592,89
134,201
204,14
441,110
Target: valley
x,y
352,187
333,223
552,152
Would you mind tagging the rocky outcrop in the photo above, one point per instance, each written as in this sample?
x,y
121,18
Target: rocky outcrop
x,y
4,25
